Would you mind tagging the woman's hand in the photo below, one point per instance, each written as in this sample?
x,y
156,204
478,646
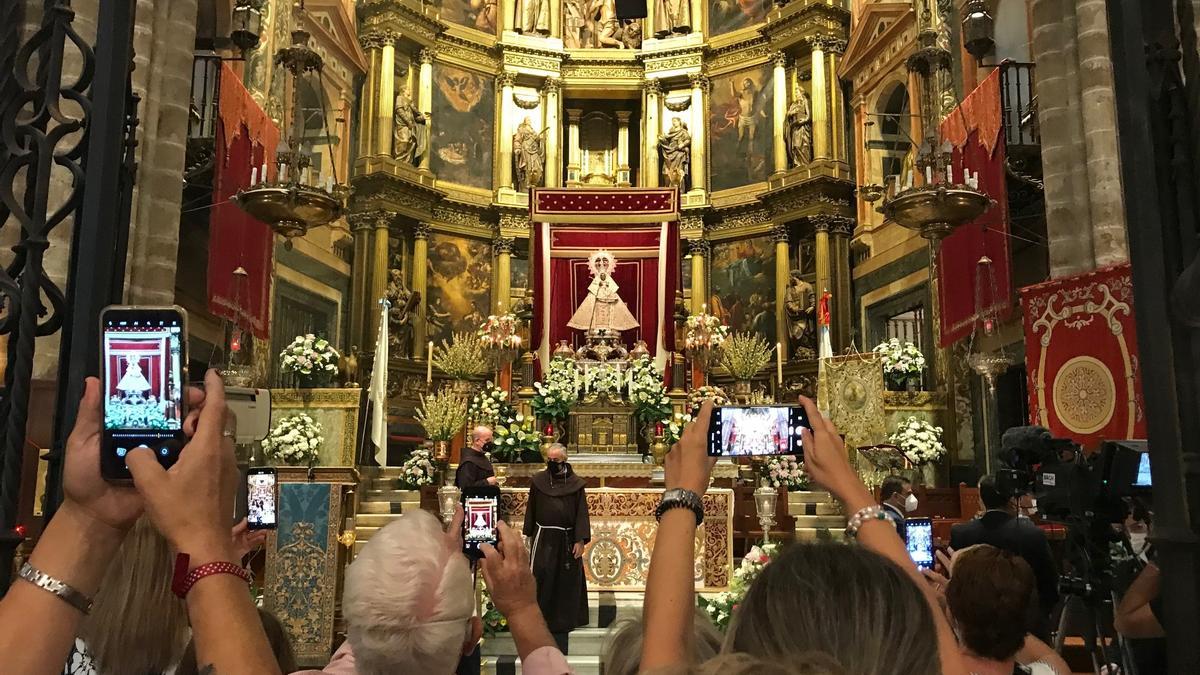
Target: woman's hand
x,y
688,464
826,461
246,540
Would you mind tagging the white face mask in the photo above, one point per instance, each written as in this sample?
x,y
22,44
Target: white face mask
x,y
910,504
1138,541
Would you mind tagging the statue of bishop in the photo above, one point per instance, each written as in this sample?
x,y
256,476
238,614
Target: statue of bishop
x,y
529,155
676,147
409,132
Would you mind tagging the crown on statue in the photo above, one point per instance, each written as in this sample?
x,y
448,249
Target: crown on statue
x,y
596,256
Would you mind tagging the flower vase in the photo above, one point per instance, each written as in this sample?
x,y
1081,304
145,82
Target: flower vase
x,y
912,383
310,381
741,391
895,381
442,454
928,474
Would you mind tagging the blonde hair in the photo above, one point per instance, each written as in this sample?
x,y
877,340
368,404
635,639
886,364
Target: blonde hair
x,y
623,646
137,624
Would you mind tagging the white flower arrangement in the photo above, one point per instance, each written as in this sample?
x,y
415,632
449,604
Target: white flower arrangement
x,y
309,355
783,471
647,392
919,440
698,396
900,358
296,439
419,469
705,331
604,379
558,391
514,436
720,608
489,406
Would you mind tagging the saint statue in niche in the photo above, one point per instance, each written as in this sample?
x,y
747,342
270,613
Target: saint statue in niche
x,y
529,154
676,146
672,16
603,309
533,17
800,305
799,130
410,140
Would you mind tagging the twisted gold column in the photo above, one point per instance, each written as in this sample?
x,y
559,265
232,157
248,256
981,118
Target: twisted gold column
x,y
699,249
372,44
379,271
820,101
360,275
502,247
384,113
824,277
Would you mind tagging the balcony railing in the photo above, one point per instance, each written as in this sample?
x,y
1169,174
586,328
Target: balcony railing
x,y
1018,104
206,88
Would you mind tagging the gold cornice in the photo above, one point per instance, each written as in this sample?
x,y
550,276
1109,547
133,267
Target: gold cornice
x,y
811,196
737,55
579,70
383,191
801,21
468,35
735,197
412,20
674,60
540,62
733,223
466,219
466,54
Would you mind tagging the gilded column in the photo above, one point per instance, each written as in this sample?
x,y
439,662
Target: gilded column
x,y
387,96
820,101
553,170
379,271
425,99
623,148
824,277
841,229
420,283
782,273
372,43
700,87
781,106
502,247
504,86
699,9
651,133
699,249
573,156
834,48
360,276
508,15
555,19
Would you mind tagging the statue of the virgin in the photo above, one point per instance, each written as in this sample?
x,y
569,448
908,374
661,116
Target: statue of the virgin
x,y
602,309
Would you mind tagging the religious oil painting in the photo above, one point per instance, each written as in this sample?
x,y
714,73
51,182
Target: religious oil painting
x,y
463,109
740,127
478,14
743,285
460,280
726,16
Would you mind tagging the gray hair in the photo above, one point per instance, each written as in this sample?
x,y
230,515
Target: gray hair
x,y
408,600
477,432
556,446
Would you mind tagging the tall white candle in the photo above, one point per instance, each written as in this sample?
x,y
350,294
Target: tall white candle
x,y
929,175
263,174
950,174
779,361
254,175
429,365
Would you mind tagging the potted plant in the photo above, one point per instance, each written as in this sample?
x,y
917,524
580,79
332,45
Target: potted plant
x,y
517,440
648,393
556,394
311,360
462,359
744,355
489,406
295,440
903,364
720,607
602,381
783,471
442,414
921,442
703,336
418,470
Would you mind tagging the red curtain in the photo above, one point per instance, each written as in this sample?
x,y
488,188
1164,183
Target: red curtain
x,y
246,139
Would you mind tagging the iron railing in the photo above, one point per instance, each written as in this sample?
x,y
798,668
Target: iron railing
x,y
206,93
1018,104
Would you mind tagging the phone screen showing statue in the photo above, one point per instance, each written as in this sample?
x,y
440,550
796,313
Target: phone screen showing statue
x,y
479,523
757,430
260,501
919,541
142,386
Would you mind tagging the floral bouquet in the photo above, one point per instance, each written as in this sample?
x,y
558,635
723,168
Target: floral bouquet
x,y
673,429
419,469
705,331
443,414
514,437
697,396
720,608
783,471
309,356
647,392
745,354
603,380
294,440
461,358
902,362
489,406
919,440
558,391
500,332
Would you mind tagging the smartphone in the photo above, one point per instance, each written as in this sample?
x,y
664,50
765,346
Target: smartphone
x,y
481,514
919,541
261,498
744,431
143,368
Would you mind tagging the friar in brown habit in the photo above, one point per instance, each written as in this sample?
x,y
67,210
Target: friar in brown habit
x,y
556,519
474,467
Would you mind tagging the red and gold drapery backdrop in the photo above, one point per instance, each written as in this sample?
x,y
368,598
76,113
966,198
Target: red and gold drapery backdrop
x,y
1082,357
639,226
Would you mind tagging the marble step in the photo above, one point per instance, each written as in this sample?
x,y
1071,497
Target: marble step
x,y
580,642
389,495
815,522
511,665
809,497
814,509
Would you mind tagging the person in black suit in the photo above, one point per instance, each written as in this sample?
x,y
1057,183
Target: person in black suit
x,y
1000,526
897,499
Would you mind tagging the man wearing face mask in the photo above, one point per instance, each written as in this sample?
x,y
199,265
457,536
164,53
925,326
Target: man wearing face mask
x,y
474,467
897,499
556,520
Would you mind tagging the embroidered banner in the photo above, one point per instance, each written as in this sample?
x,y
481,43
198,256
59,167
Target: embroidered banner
x,y
600,205
851,389
1082,356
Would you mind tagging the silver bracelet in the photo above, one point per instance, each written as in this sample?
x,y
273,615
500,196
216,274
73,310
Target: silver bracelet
x,y
63,590
862,516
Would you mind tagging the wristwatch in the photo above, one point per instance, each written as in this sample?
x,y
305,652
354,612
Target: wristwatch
x,y
678,498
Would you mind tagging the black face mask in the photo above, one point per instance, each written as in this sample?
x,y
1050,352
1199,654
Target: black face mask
x,y
487,447
558,469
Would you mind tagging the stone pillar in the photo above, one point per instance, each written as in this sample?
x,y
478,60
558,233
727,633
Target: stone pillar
x,y
425,99
623,148
824,277
780,236
781,106
553,170
502,248
651,133
834,48
361,225
380,261
841,229
385,112
699,249
504,90
573,156
820,102
372,44
420,285
699,169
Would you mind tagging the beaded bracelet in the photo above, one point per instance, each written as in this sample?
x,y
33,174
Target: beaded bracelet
x,y
862,516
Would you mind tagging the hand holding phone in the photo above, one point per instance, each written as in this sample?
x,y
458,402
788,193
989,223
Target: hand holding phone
x,y
481,516
919,542
747,431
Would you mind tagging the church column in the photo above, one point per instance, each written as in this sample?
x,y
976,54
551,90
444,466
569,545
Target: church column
x,y
504,86
553,171
360,275
699,249
820,102
824,277
380,260
834,48
623,169
699,9
387,96
372,44
841,229
699,167
780,235
508,15
425,101
781,106
502,247
651,133
420,277
555,18
573,157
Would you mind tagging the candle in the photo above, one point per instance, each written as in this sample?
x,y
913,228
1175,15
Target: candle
x,y
329,183
263,173
254,175
779,361
429,365
950,174
908,179
929,175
